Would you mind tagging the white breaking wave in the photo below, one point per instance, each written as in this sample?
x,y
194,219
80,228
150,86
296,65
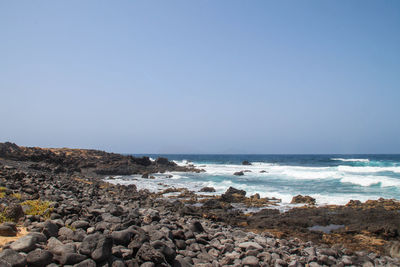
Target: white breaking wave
x,y
351,160
367,169
371,180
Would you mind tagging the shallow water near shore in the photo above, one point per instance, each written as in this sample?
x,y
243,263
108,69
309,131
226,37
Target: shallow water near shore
x,y
331,179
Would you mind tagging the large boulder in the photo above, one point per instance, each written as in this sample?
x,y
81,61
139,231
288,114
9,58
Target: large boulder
x,y
24,244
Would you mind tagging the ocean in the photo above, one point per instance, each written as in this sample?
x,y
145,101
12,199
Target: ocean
x,y
330,179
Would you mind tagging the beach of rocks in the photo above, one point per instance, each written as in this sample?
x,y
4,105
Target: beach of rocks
x,y
58,211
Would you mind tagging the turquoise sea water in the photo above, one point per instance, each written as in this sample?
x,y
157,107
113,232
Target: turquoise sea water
x,y
331,179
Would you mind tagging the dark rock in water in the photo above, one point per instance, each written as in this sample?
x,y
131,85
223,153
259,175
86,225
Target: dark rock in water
x,y
8,230
303,199
13,258
262,171
144,161
163,161
196,227
39,258
233,195
97,246
245,162
239,173
145,175
207,189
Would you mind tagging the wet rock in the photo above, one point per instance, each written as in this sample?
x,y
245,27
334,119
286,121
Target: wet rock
x,y
13,258
239,173
245,162
207,189
233,195
39,258
303,199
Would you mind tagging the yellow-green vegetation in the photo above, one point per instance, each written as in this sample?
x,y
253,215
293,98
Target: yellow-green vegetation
x,y
3,217
70,227
16,195
2,191
38,207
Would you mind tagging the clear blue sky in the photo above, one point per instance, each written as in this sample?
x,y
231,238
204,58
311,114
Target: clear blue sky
x,y
202,76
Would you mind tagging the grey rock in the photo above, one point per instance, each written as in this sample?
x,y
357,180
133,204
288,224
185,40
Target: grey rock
x,y
196,227
250,261
71,258
395,250
250,245
50,229
122,237
97,246
86,263
7,230
39,237
80,224
3,263
24,244
148,253
13,258
39,258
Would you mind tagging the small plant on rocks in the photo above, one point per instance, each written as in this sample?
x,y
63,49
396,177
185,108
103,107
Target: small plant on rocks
x,y
38,207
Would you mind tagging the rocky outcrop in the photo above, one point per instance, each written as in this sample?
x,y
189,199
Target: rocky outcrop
x,y
86,161
303,199
207,189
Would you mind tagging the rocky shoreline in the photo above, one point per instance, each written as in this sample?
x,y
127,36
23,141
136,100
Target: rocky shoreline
x,y
73,218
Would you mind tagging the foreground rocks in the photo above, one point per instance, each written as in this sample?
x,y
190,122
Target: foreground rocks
x,y
92,223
